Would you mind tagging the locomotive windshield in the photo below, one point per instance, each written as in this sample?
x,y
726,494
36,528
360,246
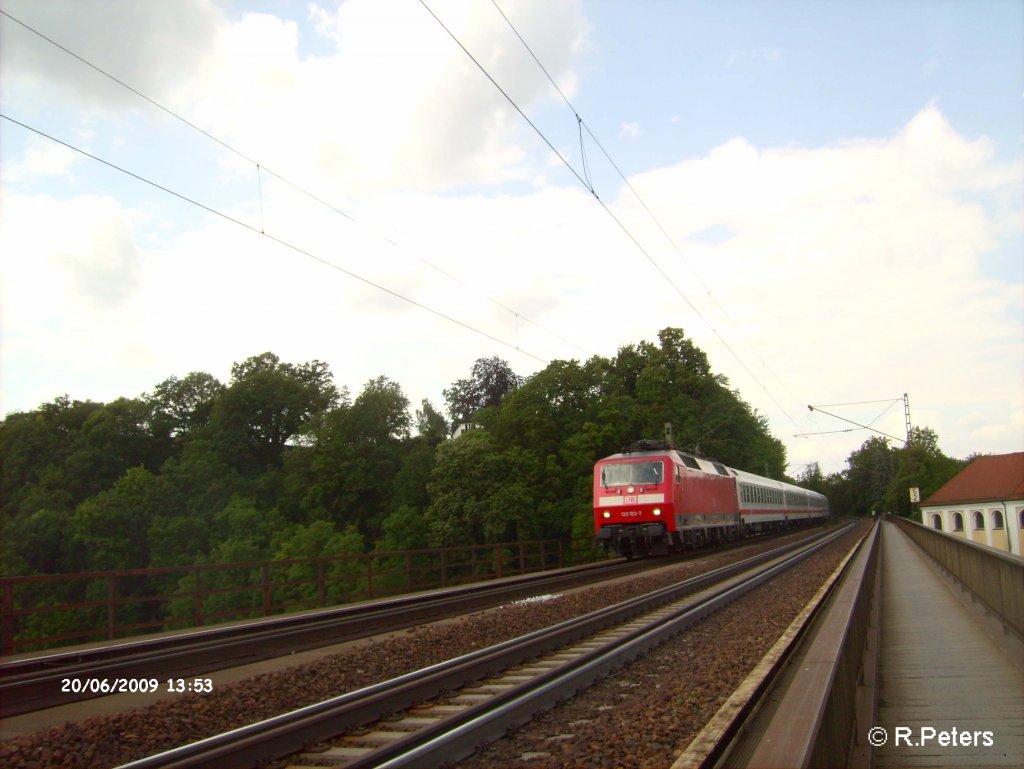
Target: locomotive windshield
x,y
631,473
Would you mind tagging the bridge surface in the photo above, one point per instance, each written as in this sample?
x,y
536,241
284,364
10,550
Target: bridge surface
x,y
950,679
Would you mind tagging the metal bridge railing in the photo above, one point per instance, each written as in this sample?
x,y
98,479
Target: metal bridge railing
x,y
46,610
996,578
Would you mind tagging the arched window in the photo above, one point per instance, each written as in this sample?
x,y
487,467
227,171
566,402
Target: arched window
x,y
958,522
997,519
979,520
937,522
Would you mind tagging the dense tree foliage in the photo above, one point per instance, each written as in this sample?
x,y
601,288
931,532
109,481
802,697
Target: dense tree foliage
x,y
492,379
281,463
878,477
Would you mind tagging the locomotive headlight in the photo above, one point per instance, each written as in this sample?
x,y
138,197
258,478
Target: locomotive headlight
x,y
630,490
657,511
606,514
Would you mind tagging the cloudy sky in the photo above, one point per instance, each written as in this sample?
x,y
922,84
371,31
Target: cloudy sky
x,y
827,197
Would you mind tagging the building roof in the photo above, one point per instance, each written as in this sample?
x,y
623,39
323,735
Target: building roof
x,y
996,477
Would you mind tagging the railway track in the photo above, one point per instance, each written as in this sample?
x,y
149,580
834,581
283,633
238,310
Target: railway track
x,y
498,687
35,683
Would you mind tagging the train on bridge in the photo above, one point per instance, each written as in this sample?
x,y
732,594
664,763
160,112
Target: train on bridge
x,y
653,500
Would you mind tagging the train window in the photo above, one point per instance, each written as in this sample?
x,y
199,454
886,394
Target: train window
x,y
627,473
721,469
689,461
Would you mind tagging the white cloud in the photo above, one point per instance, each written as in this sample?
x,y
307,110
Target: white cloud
x,y
156,47
42,158
632,130
854,268
389,107
59,255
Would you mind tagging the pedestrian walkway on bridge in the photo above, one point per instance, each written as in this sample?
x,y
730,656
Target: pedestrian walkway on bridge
x,y
950,681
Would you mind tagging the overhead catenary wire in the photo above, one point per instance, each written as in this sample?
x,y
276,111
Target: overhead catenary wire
x,y
858,424
860,403
892,402
260,170
172,113
585,183
645,207
585,179
275,239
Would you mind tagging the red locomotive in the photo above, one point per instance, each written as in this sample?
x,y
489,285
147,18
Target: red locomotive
x,y
653,499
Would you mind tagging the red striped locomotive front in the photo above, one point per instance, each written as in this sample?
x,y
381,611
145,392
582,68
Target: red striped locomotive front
x,y
634,503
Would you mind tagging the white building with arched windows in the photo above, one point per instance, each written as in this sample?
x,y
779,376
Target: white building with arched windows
x,y
983,503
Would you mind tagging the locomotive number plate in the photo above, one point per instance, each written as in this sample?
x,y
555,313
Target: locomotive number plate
x,y
629,500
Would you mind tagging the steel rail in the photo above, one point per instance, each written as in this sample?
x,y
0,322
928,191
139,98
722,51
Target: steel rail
x,y
463,734
34,683
290,732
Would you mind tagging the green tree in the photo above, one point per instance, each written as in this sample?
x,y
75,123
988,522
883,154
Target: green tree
x,y
190,489
39,542
480,494
491,380
266,405
183,406
871,470
548,408
357,452
244,521
811,477
920,463
111,528
343,578
113,439
403,528
431,424
34,450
